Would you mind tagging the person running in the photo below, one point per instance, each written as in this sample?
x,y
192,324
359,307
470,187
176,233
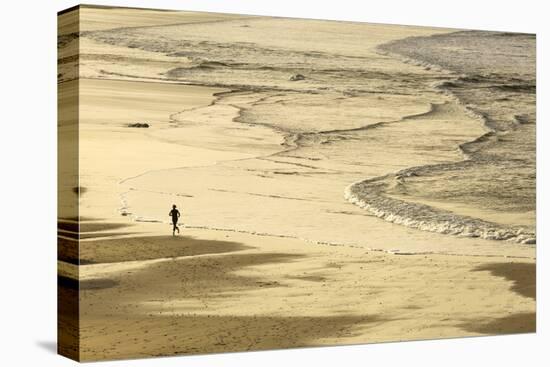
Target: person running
x,y
175,214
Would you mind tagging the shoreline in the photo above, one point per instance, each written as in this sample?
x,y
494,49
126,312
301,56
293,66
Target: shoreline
x,y
215,98
294,138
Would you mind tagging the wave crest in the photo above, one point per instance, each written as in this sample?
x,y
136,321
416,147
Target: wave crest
x,y
368,194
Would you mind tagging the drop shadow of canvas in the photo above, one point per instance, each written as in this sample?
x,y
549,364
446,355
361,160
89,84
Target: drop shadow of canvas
x,y
169,297
48,345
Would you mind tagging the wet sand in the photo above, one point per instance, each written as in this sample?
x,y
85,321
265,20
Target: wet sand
x,y
212,169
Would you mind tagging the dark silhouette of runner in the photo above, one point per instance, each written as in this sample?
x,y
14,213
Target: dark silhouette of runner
x,y
175,214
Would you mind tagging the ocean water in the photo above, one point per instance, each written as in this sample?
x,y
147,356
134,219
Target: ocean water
x,y
425,128
496,82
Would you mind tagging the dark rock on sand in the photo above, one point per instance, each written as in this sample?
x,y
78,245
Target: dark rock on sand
x,y
139,124
297,77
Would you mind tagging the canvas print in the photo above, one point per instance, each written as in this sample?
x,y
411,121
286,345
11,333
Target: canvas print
x,y
238,183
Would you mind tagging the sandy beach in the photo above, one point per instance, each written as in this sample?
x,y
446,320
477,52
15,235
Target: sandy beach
x,y
273,251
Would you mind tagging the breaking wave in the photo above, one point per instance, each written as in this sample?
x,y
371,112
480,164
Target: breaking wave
x,y
369,195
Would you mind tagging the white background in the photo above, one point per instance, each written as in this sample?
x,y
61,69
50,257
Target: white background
x,y
28,182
